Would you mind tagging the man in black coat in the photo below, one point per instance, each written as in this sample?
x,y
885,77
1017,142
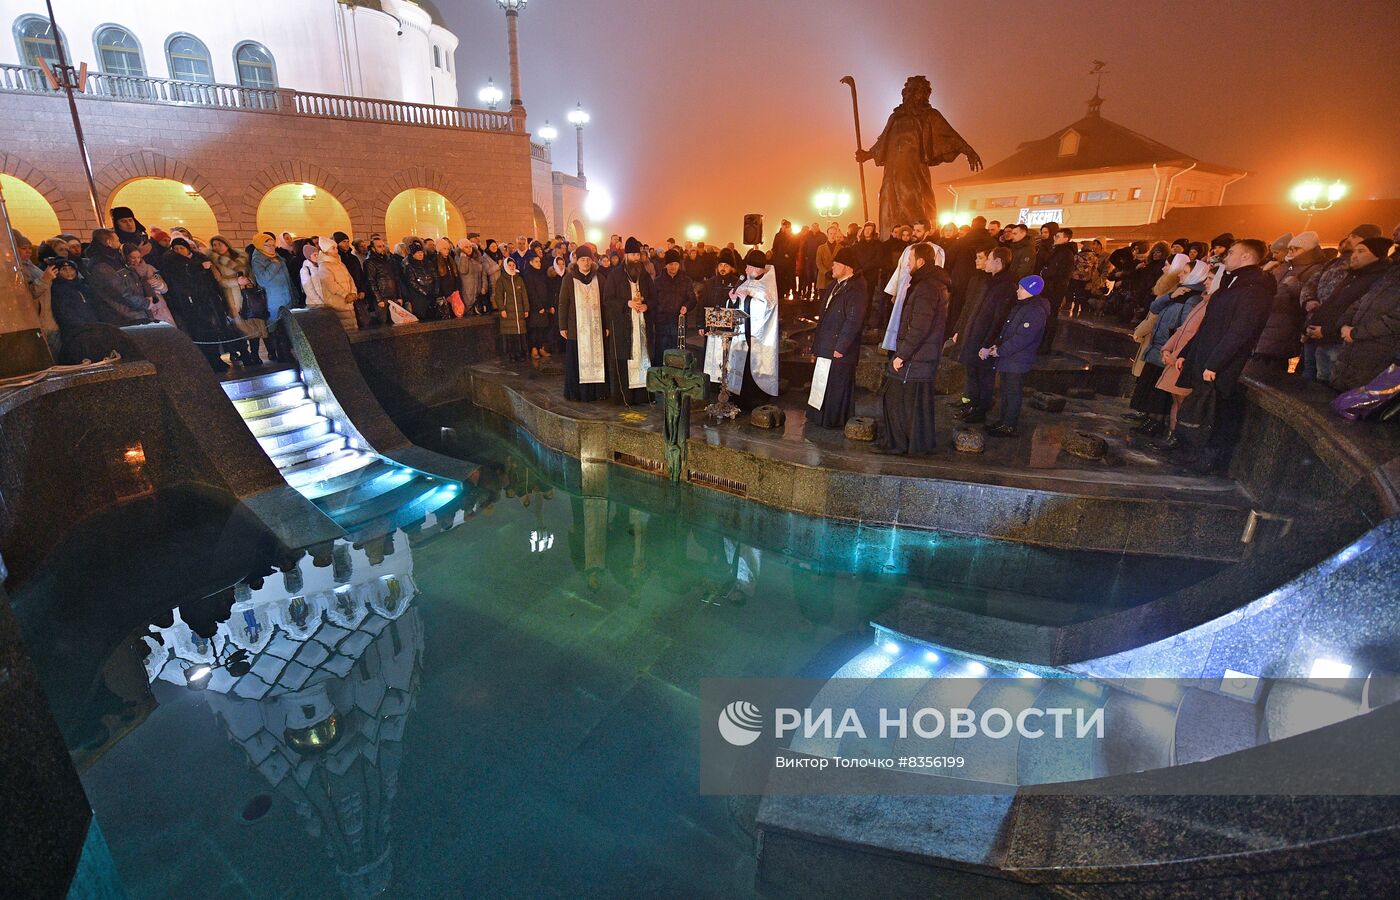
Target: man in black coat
x,y
983,326
837,343
962,263
1056,272
674,294
1211,363
122,296
628,299
785,259
908,395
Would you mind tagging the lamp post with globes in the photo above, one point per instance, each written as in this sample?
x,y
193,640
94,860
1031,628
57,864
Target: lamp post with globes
x,y
831,203
1312,196
512,9
490,95
578,118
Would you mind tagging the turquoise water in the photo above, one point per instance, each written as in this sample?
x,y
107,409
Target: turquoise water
x,y
498,701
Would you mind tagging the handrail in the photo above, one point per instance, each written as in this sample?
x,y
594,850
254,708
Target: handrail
x,y
146,89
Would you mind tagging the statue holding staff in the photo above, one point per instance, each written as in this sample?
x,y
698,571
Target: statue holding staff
x,y
915,138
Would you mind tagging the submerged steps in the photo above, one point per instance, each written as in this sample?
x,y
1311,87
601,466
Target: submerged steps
x,y
325,461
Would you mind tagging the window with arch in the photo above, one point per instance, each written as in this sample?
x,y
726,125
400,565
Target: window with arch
x,y
35,38
256,68
189,59
117,51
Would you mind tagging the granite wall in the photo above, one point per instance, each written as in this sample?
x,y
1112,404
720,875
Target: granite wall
x,y
75,444
411,368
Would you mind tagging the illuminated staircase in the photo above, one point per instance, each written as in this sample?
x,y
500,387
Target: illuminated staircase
x,y
361,491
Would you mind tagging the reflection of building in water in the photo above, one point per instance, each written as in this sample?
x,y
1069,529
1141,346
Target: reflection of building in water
x,y
335,654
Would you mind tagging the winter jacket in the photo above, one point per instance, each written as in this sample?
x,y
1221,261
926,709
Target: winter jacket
x,y
74,306
1022,257
671,295
420,286
842,317
471,275
338,291
541,300
1171,312
120,293
382,277
311,283
1230,330
512,298
1334,306
962,261
922,321
356,269
1375,336
1057,269
1020,336
1283,333
195,301
270,273
985,321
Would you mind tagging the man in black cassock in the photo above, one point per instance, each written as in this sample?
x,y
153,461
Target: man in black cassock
x,y
629,317
837,344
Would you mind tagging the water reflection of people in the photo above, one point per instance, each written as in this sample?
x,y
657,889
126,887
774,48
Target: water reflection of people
x,y
321,714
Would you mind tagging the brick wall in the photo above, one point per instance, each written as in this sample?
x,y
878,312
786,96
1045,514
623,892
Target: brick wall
x,y
233,158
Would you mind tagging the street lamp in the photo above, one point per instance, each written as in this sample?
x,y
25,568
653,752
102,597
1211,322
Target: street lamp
x,y
548,133
830,203
1313,196
490,95
513,8
695,232
578,118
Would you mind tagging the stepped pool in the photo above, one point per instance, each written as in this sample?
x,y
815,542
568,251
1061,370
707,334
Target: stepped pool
x,y
498,697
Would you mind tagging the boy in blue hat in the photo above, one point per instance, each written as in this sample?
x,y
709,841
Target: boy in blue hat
x,y
1015,349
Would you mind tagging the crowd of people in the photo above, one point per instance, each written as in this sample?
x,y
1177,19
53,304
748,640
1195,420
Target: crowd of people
x,y
992,295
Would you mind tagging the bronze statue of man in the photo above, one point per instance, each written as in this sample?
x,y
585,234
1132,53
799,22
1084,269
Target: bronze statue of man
x,y
915,138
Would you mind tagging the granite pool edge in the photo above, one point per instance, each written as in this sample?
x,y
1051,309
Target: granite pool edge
x,y
1038,517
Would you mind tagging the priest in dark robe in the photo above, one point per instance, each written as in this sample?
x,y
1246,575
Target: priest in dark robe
x,y
837,344
630,317
908,395
581,327
915,138
753,352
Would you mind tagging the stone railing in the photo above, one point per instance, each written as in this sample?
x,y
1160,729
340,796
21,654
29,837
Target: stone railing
x,y
144,89
540,152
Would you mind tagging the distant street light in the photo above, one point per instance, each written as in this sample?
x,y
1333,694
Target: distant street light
x,y
695,232
1313,196
548,133
490,95
578,118
831,204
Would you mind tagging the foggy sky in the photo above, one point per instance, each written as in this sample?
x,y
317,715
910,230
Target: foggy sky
x,y
705,110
